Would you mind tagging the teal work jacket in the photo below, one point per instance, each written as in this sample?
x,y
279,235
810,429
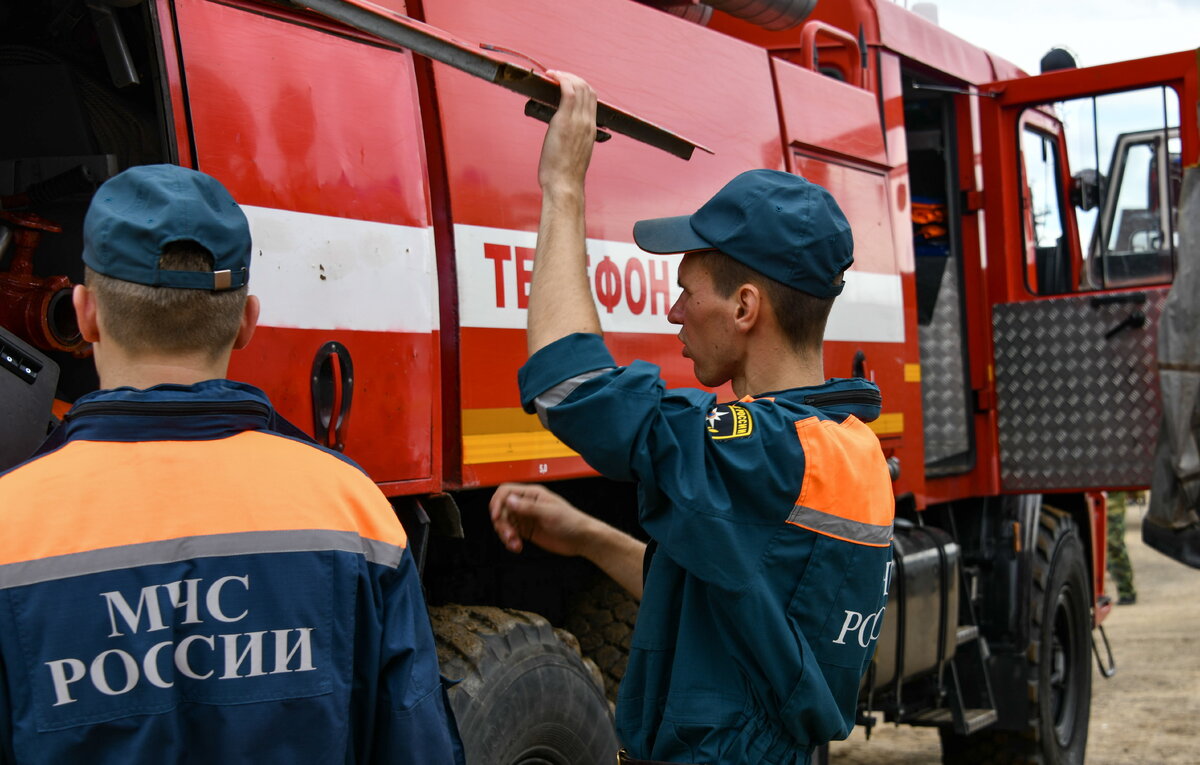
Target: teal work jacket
x,y
773,520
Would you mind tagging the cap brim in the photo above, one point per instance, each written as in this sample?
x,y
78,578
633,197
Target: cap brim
x,y
666,235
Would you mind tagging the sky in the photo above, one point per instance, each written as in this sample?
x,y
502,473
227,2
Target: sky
x,y
1098,31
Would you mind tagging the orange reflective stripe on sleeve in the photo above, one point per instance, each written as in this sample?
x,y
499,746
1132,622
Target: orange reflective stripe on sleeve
x,y
108,494
847,492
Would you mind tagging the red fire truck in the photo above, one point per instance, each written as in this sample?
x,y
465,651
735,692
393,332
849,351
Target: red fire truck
x,y
1015,238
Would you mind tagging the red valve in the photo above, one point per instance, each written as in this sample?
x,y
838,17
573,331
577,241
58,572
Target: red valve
x,y
36,308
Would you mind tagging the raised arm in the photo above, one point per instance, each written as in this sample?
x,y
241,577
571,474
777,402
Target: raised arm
x,y
560,300
560,304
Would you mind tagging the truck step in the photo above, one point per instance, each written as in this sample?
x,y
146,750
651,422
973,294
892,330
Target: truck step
x,y
974,719
978,719
967,633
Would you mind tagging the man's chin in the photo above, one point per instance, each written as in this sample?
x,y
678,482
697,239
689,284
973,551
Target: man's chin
x,y
708,379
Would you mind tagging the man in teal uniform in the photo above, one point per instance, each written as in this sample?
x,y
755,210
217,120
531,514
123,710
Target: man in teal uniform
x,y
186,577
771,516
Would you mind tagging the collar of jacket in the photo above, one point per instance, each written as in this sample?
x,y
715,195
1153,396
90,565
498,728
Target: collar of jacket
x,y
208,410
834,397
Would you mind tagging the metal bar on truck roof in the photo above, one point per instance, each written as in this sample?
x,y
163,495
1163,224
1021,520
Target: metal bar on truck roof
x,y
434,43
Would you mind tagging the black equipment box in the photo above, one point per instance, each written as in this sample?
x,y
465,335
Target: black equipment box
x,y
28,380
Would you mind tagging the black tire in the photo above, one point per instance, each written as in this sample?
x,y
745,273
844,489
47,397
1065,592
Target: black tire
x,y
526,696
602,617
1059,662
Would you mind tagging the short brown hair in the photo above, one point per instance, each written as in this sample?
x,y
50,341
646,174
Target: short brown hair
x,y
145,319
801,316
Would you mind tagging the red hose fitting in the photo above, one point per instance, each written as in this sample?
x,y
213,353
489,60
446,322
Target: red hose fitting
x,y
36,308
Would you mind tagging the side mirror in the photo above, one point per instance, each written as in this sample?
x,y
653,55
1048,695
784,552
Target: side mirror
x,y
1087,188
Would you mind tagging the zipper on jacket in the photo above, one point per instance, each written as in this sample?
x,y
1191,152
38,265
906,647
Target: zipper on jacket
x,y
833,398
167,408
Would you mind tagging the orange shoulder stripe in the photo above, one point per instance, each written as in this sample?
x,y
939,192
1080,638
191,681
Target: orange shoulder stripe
x,y
90,495
846,481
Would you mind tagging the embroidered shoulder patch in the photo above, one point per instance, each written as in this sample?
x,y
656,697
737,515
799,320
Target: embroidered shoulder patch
x,y
729,421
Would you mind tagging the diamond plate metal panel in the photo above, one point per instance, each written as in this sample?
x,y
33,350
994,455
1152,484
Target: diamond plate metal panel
x,y
943,387
1076,409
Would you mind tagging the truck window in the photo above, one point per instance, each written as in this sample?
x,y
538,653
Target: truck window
x,y
1123,155
1136,241
1048,262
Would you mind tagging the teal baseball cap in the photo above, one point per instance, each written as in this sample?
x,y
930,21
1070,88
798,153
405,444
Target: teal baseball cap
x,y
779,224
136,213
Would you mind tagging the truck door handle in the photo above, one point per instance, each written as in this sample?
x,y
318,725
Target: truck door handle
x,y
1135,320
332,392
1119,298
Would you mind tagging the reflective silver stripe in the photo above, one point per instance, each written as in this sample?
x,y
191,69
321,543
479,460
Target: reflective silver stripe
x,y
555,395
186,548
843,528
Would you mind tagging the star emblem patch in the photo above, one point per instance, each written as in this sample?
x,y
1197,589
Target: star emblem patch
x,y
729,421
714,416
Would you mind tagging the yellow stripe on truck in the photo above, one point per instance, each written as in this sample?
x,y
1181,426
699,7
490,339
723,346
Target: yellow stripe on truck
x,y
888,424
508,447
507,434
479,422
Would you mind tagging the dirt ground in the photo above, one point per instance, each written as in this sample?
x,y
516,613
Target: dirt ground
x,y
1147,713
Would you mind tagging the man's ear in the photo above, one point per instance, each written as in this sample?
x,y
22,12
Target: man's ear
x,y
249,322
84,301
748,307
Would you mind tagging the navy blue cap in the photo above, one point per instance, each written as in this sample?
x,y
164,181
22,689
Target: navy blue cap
x,y
779,224
137,212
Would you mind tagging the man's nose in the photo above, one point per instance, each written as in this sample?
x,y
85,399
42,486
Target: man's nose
x,y
675,315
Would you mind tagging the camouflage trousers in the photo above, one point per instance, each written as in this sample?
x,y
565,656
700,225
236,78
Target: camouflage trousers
x,y
1118,557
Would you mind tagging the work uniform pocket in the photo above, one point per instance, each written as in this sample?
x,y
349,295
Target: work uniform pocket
x,y
699,726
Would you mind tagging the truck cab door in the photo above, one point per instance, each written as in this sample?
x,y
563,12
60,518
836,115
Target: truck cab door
x,y
1082,180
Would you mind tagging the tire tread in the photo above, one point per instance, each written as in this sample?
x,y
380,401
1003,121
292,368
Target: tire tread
x,y
489,651
1056,530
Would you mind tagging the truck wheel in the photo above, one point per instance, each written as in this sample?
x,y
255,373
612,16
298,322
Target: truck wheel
x,y
602,617
526,697
1059,662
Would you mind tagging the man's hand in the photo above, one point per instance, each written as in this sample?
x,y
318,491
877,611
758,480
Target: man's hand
x,y
530,512
523,512
567,149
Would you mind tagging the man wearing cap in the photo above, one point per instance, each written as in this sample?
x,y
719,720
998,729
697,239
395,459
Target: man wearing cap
x,y
770,517
185,576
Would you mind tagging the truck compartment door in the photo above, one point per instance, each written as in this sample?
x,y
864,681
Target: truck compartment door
x,y
318,136
1081,194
